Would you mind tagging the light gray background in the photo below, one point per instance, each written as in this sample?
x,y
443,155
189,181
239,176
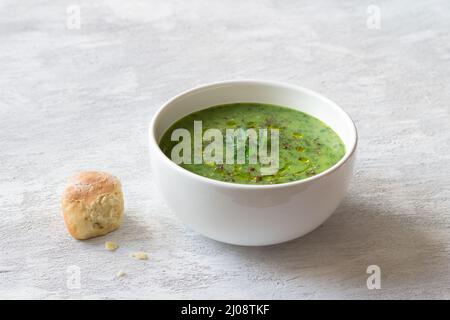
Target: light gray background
x,y
82,99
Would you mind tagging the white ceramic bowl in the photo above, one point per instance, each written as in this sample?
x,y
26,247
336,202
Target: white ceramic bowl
x,y
252,214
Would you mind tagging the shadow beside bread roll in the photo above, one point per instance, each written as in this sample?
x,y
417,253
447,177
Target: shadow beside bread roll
x,y
92,204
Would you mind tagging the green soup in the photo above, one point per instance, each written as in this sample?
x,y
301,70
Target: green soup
x,y
307,146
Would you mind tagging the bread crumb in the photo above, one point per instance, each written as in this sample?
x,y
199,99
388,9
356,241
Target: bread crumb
x,y
140,255
120,273
111,246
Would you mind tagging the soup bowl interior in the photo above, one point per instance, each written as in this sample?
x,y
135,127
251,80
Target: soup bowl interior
x,y
260,92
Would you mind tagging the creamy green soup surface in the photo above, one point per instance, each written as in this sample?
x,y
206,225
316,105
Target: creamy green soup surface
x,y
307,146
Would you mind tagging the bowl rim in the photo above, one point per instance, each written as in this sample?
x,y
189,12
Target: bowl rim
x,y
233,185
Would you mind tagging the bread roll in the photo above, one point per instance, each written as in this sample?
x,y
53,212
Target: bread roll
x,y
92,204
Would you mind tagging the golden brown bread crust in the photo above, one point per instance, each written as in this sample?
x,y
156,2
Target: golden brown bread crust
x,y
87,185
92,204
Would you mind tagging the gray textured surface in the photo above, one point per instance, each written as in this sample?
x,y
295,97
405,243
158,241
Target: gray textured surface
x,y
82,99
